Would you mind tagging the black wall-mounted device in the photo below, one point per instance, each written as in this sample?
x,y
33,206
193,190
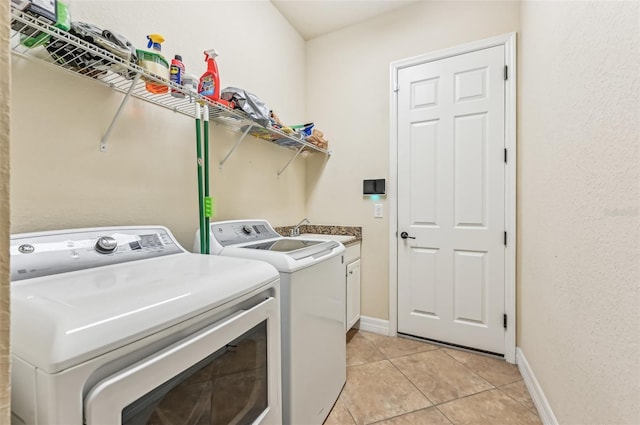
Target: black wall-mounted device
x,y
373,187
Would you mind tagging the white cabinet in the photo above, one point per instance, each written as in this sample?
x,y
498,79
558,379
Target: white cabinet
x,y
352,271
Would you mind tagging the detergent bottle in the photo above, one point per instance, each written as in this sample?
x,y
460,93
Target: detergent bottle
x,y
154,63
63,22
209,86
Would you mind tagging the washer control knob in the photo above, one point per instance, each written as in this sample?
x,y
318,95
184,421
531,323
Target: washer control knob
x,y
247,229
106,245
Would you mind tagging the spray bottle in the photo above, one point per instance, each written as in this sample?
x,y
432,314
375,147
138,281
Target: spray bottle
x,y
154,63
209,86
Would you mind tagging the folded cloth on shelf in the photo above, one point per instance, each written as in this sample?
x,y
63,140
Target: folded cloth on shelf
x,y
88,62
120,41
317,138
249,103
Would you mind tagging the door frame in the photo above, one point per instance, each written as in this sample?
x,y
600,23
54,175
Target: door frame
x,y
509,42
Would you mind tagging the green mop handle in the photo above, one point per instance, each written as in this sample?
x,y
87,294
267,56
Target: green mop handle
x,y
203,230
207,199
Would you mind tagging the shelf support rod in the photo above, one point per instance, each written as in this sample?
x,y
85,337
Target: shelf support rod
x,y
236,145
291,160
103,142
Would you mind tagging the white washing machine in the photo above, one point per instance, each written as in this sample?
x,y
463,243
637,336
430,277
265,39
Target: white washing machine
x,y
123,326
313,303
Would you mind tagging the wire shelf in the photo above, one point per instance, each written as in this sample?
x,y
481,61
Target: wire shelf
x,y
63,50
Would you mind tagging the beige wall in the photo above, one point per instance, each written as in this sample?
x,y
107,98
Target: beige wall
x,y
579,205
5,91
578,164
148,175
348,93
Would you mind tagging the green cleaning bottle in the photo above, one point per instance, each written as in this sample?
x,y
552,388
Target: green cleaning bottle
x,y
154,63
63,22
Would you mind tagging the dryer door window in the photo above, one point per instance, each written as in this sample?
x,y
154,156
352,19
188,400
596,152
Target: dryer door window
x,y
226,373
229,386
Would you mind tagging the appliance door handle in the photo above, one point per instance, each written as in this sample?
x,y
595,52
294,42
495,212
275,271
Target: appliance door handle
x,y
106,400
405,235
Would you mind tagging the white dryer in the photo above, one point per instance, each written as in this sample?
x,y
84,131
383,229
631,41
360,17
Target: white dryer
x,y
123,326
312,305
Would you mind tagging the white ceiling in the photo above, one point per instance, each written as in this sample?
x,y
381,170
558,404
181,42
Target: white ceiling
x,y
312,18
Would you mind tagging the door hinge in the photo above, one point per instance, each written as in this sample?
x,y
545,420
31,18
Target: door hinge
x,y
505,238
396,89
506,72
504,321
505,155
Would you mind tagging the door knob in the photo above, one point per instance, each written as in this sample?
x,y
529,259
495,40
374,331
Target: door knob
x,y
405,235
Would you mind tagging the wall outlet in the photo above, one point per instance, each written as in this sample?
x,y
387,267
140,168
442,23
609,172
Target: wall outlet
x,y
378,212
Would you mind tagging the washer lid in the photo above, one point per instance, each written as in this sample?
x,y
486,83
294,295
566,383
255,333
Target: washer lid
x,y
312,253
293,246
62,320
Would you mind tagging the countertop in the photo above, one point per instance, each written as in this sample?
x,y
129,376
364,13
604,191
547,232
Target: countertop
x,y
347,235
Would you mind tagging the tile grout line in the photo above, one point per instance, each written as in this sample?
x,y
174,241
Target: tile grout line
x,y
444,414
463,397
454,399
395,416
496,387
493,387
389,359
435,405
408,413
374,347
476,373
470,370
350,414
411,381
534,410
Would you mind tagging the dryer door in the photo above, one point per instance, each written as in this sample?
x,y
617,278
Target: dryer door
x,y
227,373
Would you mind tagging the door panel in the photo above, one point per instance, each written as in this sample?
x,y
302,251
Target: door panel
x,y
424,93
451,199
423,270
471,84
423,169
469,164
470,287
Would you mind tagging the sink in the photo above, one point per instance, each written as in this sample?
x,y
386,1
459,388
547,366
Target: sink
x,y
337,238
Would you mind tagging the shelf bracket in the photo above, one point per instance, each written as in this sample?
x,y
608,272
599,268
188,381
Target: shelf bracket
x,y
291,160
103,142
249,127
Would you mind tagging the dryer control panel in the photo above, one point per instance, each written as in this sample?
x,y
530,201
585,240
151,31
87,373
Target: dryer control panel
x,y
47,253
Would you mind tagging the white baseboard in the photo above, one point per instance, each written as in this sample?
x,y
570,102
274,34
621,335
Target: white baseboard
x,y
371,324
537,395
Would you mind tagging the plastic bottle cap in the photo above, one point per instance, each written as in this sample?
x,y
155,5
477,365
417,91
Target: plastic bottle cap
x,y
178,57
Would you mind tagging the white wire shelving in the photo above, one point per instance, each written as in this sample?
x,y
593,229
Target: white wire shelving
x,y
67,52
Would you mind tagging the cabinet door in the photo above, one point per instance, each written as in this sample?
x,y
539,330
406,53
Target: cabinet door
x,y
353,293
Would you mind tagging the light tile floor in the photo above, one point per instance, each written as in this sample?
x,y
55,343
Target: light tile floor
x,y
398,381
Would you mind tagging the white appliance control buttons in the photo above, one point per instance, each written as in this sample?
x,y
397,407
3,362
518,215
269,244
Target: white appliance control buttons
x,y
247,229
106,245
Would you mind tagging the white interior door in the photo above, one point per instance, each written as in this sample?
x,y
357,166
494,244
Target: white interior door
x,y
451,199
